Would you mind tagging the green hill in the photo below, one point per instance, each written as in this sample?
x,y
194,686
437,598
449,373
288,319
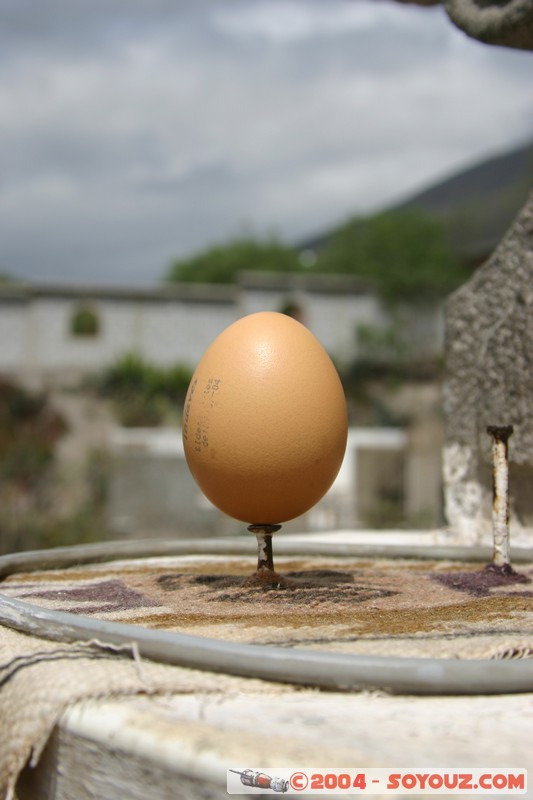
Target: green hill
x,y
479,204
475,205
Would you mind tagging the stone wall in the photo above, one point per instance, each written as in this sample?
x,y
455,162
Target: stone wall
x,y
489,381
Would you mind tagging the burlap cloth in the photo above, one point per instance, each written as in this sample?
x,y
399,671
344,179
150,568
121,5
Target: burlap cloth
x,y
431,609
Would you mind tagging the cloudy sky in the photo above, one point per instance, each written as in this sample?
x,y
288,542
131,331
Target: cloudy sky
x,y
133,132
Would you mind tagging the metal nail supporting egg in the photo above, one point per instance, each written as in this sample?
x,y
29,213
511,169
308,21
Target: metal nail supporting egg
x,y
265,574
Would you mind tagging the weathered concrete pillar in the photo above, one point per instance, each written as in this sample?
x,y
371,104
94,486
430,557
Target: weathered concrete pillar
x,y
508,23
489,381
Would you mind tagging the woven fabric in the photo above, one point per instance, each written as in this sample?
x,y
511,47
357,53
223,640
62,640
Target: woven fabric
x,y
39,679
409,608
388,608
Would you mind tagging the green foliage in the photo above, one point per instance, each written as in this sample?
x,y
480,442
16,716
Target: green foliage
x,y
84,322
144,394
138,411
392,373
32,518
129,375
381,345
219,264
29,430
404,253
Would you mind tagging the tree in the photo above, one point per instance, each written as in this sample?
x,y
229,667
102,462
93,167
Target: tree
x,y
404,253
219,264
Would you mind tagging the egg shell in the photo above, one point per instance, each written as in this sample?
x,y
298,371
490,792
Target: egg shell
x,y
264,421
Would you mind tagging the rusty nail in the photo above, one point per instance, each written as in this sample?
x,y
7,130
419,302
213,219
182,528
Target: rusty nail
x,y
263,533
500,488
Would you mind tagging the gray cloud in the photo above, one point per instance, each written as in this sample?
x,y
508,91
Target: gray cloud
x,y
132,133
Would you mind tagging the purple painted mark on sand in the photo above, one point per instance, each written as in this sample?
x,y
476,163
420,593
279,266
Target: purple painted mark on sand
x,y
110,595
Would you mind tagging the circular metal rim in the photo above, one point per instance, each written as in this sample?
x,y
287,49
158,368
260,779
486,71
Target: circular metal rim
x,y
332,671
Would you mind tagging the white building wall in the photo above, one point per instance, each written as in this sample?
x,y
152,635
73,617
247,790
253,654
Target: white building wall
x,y
52,345
36,336
13,323
332,318
181,332
334,321
170,500
177,325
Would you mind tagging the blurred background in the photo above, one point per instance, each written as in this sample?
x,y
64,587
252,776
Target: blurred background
x,y
167,168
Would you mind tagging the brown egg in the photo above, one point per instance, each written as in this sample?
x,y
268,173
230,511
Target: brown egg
x,y
265,423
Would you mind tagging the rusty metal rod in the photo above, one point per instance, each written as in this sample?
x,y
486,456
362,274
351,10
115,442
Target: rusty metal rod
x,y
500,490
263,533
